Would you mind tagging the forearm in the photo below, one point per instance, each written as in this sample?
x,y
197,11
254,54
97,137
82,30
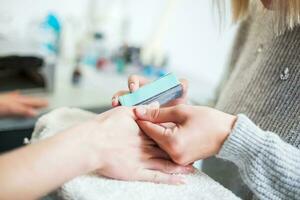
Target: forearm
x,y
35,170
268,165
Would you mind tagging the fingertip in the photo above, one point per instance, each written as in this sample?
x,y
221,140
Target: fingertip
x,y
185,85
133,83
140,112
132,87
32,113
113,104
189,169
115,101
184,82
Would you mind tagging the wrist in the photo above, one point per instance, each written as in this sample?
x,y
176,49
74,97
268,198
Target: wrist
x,y
229,122
87,145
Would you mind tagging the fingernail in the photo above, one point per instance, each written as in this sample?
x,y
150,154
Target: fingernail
x,y
114,100
190,169
132,87
141,110
154,105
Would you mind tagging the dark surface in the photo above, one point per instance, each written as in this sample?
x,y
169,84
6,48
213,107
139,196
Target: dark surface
x,y
18,72
12,139
13,131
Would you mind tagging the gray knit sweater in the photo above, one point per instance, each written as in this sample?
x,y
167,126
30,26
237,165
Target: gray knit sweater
x,y
264,85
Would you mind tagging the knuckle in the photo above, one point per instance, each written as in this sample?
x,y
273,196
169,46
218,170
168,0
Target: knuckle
x,y
154,113
167,132
181,110
155,177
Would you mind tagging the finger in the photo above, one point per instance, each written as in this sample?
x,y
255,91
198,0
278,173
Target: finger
x,y
160,115
185,85
32,101
115,98
168,125
21,110
169,167
158,133
159,177
136,81
14,93
155,152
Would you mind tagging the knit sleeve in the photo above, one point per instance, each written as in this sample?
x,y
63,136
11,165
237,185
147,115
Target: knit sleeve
x,y
268,165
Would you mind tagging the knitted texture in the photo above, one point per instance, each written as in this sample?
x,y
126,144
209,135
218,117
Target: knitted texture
x,y
263,83
269,166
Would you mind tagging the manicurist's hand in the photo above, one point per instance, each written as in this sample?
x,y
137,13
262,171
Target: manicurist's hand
x,y
136,81
197,132
15,104
125,153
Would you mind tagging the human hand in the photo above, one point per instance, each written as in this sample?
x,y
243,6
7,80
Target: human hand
x,y
136,81
15,104
125,153
197,132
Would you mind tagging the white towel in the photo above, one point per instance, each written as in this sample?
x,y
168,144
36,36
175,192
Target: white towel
x,y
91,187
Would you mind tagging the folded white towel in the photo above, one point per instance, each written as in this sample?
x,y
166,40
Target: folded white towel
x,y
90,187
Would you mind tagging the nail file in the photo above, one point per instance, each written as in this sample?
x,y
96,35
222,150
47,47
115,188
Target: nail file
x,y
163,90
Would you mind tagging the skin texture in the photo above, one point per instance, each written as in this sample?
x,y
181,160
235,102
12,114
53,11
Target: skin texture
x,y
98,146
15,104
184,132
197,132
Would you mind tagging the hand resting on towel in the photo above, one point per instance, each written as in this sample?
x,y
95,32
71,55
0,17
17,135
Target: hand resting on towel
x,y
110,144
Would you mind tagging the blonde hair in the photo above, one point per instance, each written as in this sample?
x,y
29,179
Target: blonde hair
x,y
286,12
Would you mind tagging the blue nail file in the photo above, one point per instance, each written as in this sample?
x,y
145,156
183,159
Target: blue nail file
x,y
163,90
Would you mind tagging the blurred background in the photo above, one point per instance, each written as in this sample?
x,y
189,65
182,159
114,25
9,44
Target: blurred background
x,y
78,53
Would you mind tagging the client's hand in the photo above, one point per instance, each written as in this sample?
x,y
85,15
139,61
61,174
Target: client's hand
x,y
125,153
15,104
135,82
197,132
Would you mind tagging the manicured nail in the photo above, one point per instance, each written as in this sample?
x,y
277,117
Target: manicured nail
x,y
132,87
141,110
154,105
113,99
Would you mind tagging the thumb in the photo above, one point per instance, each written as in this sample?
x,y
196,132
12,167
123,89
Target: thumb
x,y
161,135
159,115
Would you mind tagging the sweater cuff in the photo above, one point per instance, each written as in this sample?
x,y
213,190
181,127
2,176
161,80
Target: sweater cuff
x,y
244,143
